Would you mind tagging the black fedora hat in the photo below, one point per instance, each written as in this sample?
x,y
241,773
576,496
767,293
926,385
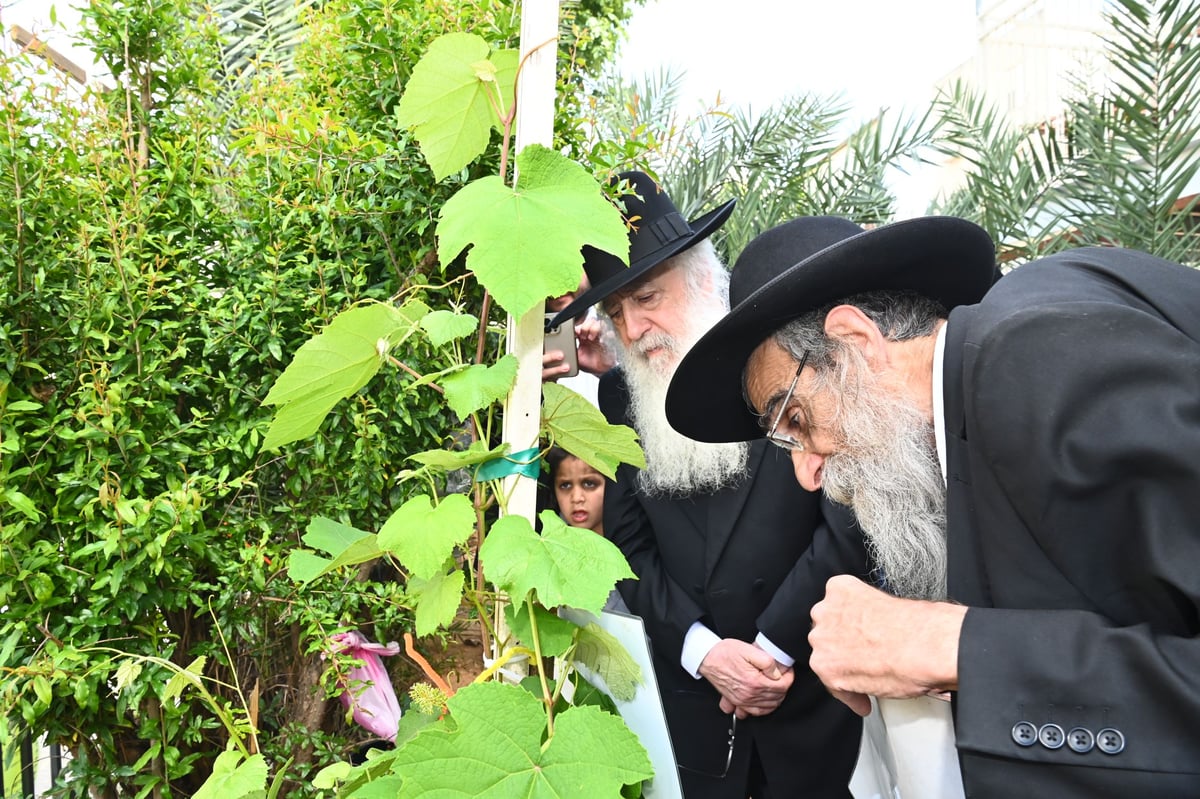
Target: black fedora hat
x,y
657,231
801,266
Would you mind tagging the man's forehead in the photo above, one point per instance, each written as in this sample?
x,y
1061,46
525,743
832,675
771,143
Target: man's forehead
x,y
655,275
769,370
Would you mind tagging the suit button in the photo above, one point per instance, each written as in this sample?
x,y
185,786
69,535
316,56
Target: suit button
x,y
1024,733
758,584
1051,736
1081,740
1110,741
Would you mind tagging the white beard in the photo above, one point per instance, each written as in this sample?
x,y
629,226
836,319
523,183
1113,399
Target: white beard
x,y
887,470
675,465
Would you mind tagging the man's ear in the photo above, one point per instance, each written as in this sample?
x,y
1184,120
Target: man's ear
x,y
850,324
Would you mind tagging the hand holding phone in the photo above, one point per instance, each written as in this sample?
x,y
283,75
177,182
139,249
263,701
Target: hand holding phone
x,y
561,338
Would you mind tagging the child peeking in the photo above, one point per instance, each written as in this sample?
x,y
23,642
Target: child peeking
x,y
578,496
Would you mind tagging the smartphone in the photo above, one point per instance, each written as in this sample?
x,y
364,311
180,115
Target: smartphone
x,y
562,338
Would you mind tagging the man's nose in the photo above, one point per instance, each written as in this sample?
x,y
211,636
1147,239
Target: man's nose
x,y
637,323
808,467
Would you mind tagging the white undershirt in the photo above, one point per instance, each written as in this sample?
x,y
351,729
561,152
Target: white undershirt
x,y
939,402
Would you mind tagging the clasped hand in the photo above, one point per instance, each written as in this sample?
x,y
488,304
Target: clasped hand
x,y
750,681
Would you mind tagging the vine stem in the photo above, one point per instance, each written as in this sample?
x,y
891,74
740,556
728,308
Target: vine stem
x,y
410,648
537,648
499,662
399,364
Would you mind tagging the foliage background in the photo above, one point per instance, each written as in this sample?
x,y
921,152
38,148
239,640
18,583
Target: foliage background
x,y
170,242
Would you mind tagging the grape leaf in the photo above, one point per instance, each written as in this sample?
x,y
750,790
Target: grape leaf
x,y
496,752
450,460
479,385
446,326
581,429
566,565
231,778
527,239
423,536
329,367
437,599
448,100
329,536
348,545
555,634
603,654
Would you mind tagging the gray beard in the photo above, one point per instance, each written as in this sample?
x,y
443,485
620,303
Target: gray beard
x,y
675,465
888,472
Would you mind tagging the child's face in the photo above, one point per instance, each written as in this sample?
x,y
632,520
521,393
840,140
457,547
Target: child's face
x,y
579,490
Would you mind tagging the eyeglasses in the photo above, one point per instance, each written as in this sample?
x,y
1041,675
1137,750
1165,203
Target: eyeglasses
x,y
728,756
783,440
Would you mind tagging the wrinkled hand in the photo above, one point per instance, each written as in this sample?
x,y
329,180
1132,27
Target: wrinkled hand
x,y
749,680
867,642
594,356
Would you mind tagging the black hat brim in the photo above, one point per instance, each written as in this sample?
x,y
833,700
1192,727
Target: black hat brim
x,y
702,227
947,259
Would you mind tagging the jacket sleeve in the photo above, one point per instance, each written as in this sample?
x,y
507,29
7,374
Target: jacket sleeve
x,y
837,548
1086,418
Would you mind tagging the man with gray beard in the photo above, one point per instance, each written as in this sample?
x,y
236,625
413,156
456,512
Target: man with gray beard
x,y
1023,460
718,534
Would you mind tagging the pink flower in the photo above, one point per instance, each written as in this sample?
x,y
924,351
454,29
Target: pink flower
x,y
367,688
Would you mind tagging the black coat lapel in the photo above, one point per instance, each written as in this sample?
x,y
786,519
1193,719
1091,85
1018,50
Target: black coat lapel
x,y
723,515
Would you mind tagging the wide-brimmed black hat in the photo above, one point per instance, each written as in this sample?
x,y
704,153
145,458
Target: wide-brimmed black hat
x,y
801,266
657,231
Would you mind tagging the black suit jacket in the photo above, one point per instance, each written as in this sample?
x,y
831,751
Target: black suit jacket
x,y
740,561
1073,452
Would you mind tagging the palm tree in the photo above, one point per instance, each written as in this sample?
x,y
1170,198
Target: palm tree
x,y
1123,169
793,159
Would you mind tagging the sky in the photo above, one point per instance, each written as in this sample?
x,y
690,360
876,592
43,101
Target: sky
x,y
876,52
873,53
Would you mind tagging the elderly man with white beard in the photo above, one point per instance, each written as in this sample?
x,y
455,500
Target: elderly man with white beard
x,y
1022,456
719,535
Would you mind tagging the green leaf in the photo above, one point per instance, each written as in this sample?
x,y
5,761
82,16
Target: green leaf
x,y
437,599
555,634
185,677
581,429
127,672
331,537
304,566
331,775
601,652
449,460
449,107
348,545
527,238
329,367
496,751
232,779
479,385
423,537
22,503
565,565
446,326
45,694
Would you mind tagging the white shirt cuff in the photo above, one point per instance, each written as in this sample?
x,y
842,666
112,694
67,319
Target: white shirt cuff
x,y
696,644
765,645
